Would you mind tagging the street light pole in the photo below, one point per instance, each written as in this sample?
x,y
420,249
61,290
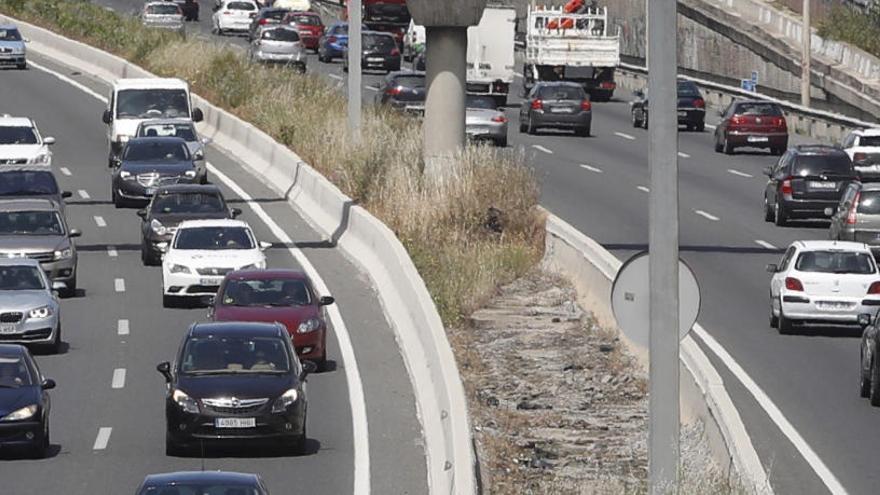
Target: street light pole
x,y
806,55
354,68
664,423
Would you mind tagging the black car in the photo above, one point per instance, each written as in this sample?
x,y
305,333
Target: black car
x,y
806,180
403,91
174,204
265,16
24,402
691,107
380,53
869,358
190,9
31,182
235,382
148,163
203,482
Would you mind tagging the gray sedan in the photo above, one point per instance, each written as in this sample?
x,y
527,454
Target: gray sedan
x,y
29,309
484,121
12,49
279,45
556,105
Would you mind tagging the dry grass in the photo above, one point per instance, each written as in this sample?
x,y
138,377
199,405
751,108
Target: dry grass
x,y
443,225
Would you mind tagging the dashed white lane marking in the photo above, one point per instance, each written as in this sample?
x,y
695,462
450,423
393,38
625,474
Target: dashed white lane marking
x,y
335,76
765,244
122,327
591,168
710,126
706,215
643,189
111,251
542,149
517,75
64,170
372,88
83,194
738,173
118,378
119,284
103,438
100,221
683,155
625,136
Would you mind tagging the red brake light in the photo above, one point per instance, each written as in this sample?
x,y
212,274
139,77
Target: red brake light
x,y
857,157
851,215
786,188
537,105
499,118
699,103
263,21
394,91
874,288
736,119
792,283
780,122
607,85
586,106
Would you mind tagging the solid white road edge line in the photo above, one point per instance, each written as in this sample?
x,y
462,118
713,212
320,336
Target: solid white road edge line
x,y
118,378
352,373
119,284
706,215
591,168
78,85
122,327
765,244
625,136
740,174
542,149
103,438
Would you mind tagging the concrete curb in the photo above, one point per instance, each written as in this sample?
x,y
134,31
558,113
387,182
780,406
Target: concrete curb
x,y
591,268
440,396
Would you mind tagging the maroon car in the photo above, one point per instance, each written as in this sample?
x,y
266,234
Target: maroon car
x,y
752,124
284,296
309,27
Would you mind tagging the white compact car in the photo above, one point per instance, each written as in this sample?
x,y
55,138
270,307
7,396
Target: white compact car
x,y
863,148
22,144
823,282
202,252
233,16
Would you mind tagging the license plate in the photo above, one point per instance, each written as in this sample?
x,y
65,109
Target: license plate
x,y
375,59
757,139
682,114
825,186
560,110
833,305
7,328
210,281
478,132
149,191
235,422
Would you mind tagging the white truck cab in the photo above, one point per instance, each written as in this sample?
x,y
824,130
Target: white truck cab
x,y
133,101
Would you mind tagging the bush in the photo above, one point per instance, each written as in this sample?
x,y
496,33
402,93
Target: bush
x,y
855,26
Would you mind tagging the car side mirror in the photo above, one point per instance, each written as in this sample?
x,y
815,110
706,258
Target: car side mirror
x,y
197,115
829,212
772,268
142,213
66,194
864,320
199,156
58,286
26,40
107,117
768,171
265,245
207,140
49,140
162,247
74,233
235,212
326,300
48,384
309,367
164,368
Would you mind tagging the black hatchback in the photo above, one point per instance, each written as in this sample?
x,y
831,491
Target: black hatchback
x,y
806,180
380,53
235,382
24,402
148,163
691,107
403,91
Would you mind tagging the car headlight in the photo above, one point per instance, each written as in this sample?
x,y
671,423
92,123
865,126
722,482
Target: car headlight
x,y
180,269
158,228
187,403
125,175
286,400
63,254
190,173
309,325
199,154
41,159
40,313
21,414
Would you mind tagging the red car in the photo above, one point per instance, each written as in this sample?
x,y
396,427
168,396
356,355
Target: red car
x,y
308,25
752,124
284,296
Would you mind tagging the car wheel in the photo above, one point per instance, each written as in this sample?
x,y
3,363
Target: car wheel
x,y
55,346
874,391
22,66
768,212
117,201
636,122
785,326
727,149
70,290
864,382
700,127
522,127
40,447
168,301
774,320
718,147
530,128
148,257
780,217
173,448
777,151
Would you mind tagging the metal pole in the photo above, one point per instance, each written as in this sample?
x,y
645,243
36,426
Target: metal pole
x,y
806,55
354,68
663,435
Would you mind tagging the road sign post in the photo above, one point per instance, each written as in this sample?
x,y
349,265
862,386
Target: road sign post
x,y
355,15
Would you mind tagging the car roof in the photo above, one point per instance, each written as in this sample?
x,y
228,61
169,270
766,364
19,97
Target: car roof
x,y
237,328
754,101
871,131
832,245
27,168
19,262
285,274
28,204
12,349
218,222
818,149
8,26
200,476
166,121
157,139
150,83
188,188
7,120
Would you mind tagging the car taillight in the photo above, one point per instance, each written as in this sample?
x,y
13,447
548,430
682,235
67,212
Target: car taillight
x,y
786,188
537,105
607,85
851,214
263,22
857,157
394,91
699,103
874,288
499,118
586,106
792,283
226,12
736,119
780,122
395,52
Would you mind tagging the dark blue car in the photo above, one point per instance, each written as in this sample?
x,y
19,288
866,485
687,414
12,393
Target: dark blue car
x,y
198,482
333,43
24,403
148,163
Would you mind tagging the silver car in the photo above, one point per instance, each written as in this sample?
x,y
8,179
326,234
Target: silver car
x,y
182,128
484,121
29,309
12,50
36,229
857,217
278,44
163,15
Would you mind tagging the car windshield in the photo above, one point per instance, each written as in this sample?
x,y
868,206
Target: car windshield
x,y
274,14
27,183
20,278
281,34
688,89
188,203
241,6
30,223
340,29
10,35
163,9
869,141
830,164
305,20
234,354
409,81
14,372
379,42
758,109
214,238
183,131
835,262
17,135
152,104
483,102
199,489
155,151
275,292
869,203
561,93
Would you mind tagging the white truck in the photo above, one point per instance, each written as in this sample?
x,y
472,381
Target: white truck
x,y
490,53
576,47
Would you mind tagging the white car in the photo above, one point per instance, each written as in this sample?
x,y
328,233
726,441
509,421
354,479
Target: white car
x,y
233,15
22,144
823,282
863,148
202,252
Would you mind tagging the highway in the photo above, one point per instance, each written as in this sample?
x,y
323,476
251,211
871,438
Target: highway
x,y
107,422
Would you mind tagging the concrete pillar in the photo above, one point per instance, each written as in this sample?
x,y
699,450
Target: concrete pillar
x,y
445,102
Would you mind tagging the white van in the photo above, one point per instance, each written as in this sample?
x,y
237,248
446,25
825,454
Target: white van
x,y
133,101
